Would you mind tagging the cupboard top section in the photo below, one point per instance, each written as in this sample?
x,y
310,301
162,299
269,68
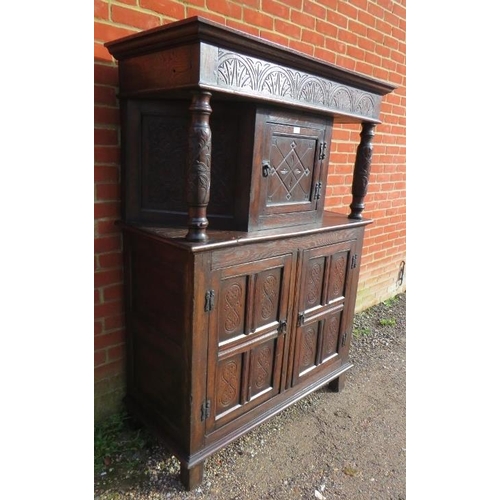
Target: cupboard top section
x,y
196,53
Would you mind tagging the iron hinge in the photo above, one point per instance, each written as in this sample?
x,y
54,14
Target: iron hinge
x,y
205,410
209,300
322,150
317,191
344,338
354,261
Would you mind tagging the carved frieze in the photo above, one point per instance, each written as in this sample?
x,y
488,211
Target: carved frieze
x,y
253,75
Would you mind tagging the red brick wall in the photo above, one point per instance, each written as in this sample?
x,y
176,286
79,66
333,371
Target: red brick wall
x,y
362,35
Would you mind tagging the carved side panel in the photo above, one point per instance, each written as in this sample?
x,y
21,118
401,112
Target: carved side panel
x,y
331,336
314,282
232,308
338,275
267,296
308,347
228,387
261,368
164,146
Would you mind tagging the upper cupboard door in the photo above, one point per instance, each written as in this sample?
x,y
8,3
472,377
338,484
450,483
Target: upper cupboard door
x,y
290,167
246,341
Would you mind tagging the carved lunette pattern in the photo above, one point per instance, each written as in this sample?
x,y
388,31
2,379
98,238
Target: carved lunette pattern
x,y
269,294
263,367
331,335
229,379
256,75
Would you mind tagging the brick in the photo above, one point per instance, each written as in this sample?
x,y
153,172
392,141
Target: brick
x,y
98,327
106,209
108,309
106,154
106,95
258,19
383,27
97,296
313,38
355,52
325,55
107,277
347,10
275,9
109,339
109,369
107,244
348,37
107,137
327,29
106,74
116,353
101,9
104,32
99,357
135,18
101,53
106,115
287,29
302,20
242,27
251,3
205,13
168,7
302,47
113,292
114,322
337,19
225,7
336,46
104,173
314,9
274,37
358,28
107,227
105,192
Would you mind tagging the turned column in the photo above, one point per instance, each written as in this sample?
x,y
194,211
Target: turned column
x,y
198,166
362,170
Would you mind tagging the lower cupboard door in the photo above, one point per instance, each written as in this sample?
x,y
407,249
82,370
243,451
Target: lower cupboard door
x,y
317,348
247,337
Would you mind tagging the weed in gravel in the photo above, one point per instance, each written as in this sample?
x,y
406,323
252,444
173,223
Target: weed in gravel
x,y
115,441
387,321
360,332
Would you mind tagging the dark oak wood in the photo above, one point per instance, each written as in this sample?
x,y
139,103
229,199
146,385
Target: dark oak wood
x,y
199,158
240,289
362,167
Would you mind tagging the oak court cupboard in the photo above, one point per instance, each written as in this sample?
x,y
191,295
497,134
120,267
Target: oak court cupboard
x,y
239,287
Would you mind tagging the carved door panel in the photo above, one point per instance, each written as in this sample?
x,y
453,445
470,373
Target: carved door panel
x,y
292,155
322,320
246,341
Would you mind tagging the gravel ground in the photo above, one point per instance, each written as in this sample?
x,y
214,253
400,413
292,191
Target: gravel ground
x,y
349,445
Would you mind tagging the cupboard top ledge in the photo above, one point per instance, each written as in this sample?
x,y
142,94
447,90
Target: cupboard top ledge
x,y
222,239
197,53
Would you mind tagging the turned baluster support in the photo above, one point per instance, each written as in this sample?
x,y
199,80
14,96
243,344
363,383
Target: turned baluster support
x,y
362,170
198,166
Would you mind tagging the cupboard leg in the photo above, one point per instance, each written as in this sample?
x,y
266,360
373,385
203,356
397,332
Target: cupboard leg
x,y
338,384
192,477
